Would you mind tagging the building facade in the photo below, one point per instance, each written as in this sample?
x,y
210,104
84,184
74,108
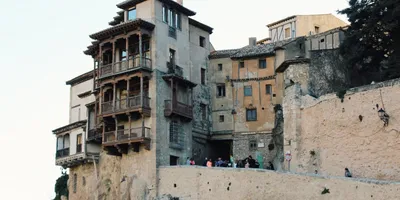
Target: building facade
x,y
303,25
75,143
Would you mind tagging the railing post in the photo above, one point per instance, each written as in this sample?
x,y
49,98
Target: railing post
x,y
113,59
127,52
130,126
141,91
127,91
104,131
143,133
140,50
116,129
114,96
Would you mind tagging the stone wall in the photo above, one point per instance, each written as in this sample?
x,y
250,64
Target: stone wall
x,y
195,183
328,134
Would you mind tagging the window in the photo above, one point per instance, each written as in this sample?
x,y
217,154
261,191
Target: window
x,y
221,118
248,91
174,132
262,64
171,56
219,67
268,89
203,108
79,143
203,76
316,29
132,14
123,55
251,114
165,14
287,32
220,90
171,18
202,41
253,145
241,64
178,22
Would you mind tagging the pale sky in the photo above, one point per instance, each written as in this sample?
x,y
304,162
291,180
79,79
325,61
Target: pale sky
x,y
41,44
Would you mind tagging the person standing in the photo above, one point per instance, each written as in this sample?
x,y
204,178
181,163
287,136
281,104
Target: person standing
x,y
232,161
187,161
209,163
192,161
347,173
205,162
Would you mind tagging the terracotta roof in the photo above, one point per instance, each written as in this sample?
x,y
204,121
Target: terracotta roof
x,y
179,7
287,63
70,127
263,40
255,51
222,53
81,78
129,3
121,28
200,25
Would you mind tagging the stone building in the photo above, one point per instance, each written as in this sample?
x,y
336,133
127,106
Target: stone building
x,y
151,98
302,25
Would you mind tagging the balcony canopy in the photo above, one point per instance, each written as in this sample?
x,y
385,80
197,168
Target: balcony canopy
x,y
122,28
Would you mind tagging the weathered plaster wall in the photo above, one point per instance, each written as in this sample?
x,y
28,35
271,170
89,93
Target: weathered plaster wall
x,y
78,109
241,147
344,134
325,22
221,105
196,183
85,182
259,99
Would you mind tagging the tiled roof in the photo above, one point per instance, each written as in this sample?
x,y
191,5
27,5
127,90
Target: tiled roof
x,y
81,78
254,51
282,20
121,28
200,25
223,53
70,127
287,63
129,3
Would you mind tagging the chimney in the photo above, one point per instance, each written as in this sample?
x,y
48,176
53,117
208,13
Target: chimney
x,y
180,2
252,41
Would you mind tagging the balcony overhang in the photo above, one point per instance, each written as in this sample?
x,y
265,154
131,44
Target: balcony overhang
x,y
122,28
179,79
69,127
77,159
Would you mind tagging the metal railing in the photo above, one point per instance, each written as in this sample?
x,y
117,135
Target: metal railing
x,y
125,104
174,69
126,134
125,65
179,108
62,153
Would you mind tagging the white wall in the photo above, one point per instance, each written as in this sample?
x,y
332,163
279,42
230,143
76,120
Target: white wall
x,y
78,110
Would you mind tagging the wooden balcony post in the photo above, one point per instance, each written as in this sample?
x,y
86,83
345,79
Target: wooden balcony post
x,y
113,57
127,91
143,129
140,50
116,129
141,91
114,96
130,125
101,100
100,59
127,51
104,130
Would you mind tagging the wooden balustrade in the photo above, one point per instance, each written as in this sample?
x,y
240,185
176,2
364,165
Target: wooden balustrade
x,y
126,135
125,104
62,153
125,66
178,108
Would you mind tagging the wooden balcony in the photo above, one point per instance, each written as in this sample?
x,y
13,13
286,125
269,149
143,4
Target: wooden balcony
x,y
65,160
125,66
126,136
94,136
131,104
177,108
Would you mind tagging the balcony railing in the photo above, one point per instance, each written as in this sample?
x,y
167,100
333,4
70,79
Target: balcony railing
x,y
62,153
125,66
126,135
175,107
125,104
94,135
174,69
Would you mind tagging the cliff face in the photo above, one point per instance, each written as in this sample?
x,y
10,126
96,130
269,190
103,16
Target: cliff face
x,y
129,177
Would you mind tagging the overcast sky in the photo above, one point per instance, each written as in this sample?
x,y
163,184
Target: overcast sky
x,y
41,44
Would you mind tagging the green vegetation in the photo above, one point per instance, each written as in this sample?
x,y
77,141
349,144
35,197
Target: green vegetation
x,y
61,187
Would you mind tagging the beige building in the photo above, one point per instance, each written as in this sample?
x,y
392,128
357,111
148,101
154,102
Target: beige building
x,y
75,143
302,25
